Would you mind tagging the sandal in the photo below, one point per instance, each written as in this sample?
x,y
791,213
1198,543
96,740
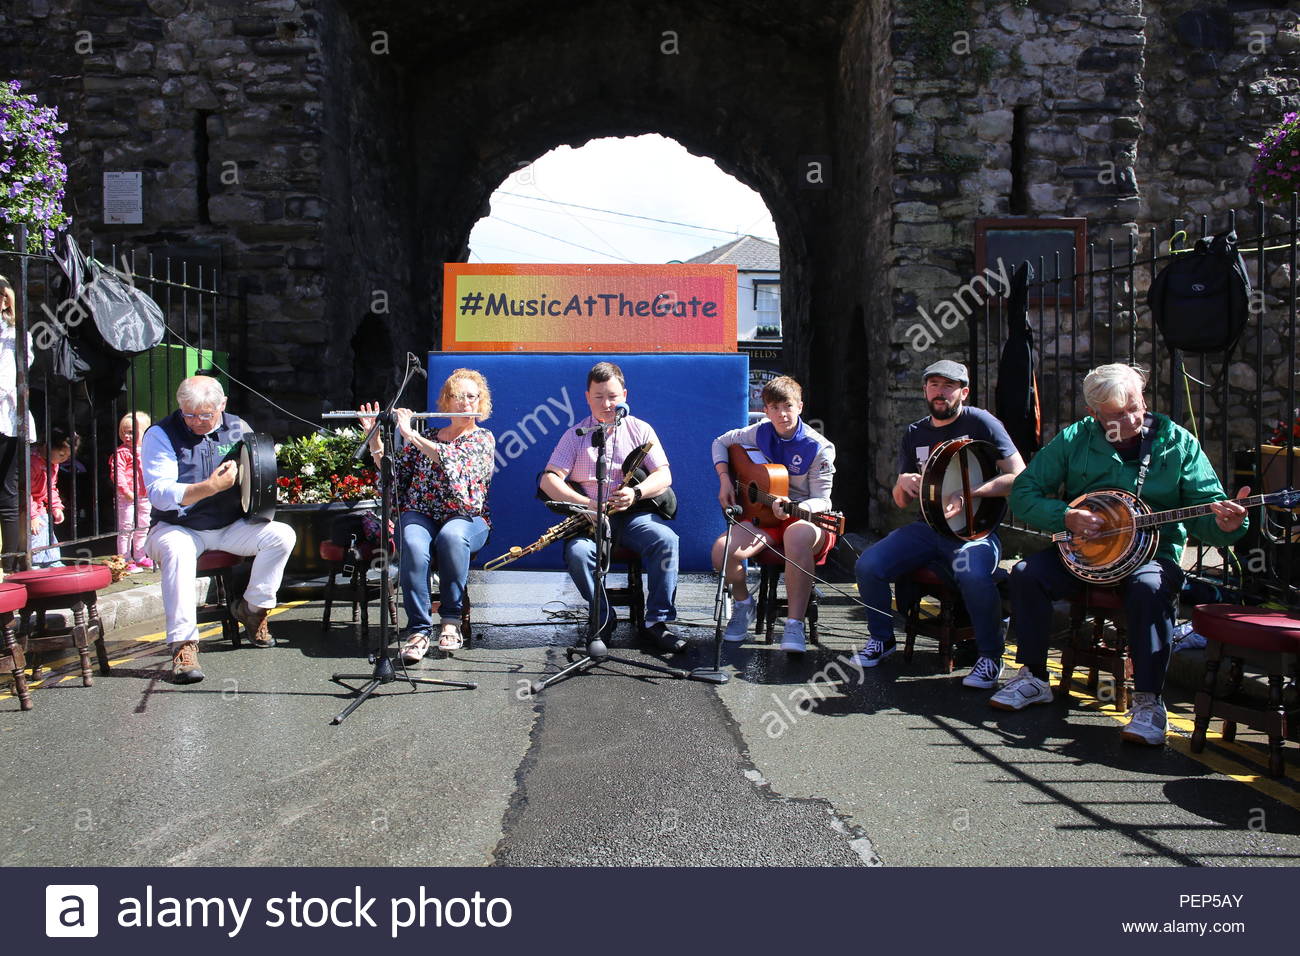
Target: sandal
x,y
416,646
450,639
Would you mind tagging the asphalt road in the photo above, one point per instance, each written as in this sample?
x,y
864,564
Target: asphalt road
x,y
787,764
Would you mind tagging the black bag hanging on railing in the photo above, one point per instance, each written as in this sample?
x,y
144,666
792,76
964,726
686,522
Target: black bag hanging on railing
x,y
1200,301
124,321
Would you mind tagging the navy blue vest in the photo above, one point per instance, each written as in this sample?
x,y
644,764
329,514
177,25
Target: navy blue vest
x,y
197,457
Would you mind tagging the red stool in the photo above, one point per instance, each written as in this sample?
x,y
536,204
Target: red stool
x,y
12,598
356,589
217,565
1098,650
771,564
74,586
1268,639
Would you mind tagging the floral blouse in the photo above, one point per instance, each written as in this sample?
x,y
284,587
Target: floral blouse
x,y
455,487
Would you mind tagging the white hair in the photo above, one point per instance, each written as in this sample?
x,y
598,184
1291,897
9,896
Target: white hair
x,y
1113,384
200,391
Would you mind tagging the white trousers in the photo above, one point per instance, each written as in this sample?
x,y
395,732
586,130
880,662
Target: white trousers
x,y
176,550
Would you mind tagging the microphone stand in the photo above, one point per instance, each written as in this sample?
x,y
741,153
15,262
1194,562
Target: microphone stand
x,y
385,672
715,673
597,654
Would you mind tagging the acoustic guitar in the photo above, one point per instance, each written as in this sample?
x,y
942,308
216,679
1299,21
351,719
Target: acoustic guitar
x,y
758,482
1127,538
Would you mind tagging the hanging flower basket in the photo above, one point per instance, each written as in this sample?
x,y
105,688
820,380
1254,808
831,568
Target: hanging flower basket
x,y
319,468
32,173
1276,173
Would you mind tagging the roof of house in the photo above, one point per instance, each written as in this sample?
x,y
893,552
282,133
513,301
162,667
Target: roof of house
x,y
748,254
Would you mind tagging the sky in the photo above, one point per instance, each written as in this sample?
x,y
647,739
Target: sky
x,y
695,206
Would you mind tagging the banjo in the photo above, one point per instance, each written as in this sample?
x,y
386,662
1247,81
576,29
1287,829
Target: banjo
x,y
959,466
1127,539
255,456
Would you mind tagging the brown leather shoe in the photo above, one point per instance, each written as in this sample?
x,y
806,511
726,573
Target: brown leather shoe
x,y
254,621
185,663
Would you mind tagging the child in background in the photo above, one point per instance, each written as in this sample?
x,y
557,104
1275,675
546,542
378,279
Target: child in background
x,y
47,505
128,483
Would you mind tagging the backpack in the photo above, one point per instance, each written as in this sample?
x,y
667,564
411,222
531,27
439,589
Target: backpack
x,y
1201,300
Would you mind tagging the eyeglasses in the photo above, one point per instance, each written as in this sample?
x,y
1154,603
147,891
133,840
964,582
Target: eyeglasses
x,y
466,397
199,416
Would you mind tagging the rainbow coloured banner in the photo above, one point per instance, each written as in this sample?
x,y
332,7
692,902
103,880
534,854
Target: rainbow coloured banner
x,y
588,308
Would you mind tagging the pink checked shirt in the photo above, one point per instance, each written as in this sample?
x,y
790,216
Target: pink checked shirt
x,y
575,453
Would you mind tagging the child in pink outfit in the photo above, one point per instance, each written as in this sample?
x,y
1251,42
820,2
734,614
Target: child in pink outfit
x,y
47,504
133,508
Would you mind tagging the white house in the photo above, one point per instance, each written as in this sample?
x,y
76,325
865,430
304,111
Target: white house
x,y
758,281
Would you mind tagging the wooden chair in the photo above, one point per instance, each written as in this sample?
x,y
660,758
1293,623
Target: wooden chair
x,y
771,564
632,594
12,598
949,627
1098,648
73,586
1267,639
356,588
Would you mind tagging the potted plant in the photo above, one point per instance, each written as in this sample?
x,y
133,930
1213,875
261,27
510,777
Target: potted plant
x,y
319,482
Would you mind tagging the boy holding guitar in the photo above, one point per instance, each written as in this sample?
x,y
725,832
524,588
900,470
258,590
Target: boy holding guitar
x,y
797,522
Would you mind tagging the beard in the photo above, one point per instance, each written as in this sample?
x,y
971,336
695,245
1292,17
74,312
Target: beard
x,y
944,412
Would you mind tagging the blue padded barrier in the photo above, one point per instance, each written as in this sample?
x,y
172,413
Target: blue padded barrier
x,y
688,398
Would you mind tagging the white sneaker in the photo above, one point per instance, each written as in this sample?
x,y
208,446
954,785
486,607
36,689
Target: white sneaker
x,y
1147,721
742,616
793,640
985,674
873,652
1021,691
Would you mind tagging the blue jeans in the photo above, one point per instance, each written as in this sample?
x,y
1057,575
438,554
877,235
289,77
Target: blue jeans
x,y
455,541
649,536
916,545
1150,600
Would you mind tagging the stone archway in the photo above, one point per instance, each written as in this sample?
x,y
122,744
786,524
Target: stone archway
x,y
790,98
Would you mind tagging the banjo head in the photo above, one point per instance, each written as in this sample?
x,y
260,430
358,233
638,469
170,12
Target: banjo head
x,y
1119,547
957,467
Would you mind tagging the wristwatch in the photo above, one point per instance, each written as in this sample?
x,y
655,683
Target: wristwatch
x,y
636,493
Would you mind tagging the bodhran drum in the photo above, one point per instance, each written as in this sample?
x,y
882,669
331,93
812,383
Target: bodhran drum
x,y
958,466
257,475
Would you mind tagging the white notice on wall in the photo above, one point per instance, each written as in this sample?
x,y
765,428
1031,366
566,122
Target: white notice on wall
x,y
123,203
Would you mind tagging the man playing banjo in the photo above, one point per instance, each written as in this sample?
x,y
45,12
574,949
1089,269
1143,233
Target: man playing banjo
x,y
915,545
196,508
1107,450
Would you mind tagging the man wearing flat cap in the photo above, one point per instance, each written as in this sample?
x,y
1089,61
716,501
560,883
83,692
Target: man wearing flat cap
x,y
971,563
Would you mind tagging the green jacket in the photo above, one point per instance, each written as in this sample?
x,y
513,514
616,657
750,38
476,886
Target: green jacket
x,y
1079,460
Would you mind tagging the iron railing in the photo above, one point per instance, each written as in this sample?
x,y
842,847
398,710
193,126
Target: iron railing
x,y
200,315
1232,403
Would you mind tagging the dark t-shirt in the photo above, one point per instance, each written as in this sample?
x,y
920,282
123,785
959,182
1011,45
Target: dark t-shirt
x,y
920,437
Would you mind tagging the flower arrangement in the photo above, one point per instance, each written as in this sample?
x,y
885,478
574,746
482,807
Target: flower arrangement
x,y
1282,429
1276,173
320,467
32,173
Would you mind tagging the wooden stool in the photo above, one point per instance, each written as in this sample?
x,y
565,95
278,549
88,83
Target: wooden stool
x,y
631,595
12,598
1097,650
217,565
357,588
949,627
74,586
771,564
1268,639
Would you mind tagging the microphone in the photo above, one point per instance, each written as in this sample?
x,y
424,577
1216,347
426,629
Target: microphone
x,y
732,511
620,411
418,369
